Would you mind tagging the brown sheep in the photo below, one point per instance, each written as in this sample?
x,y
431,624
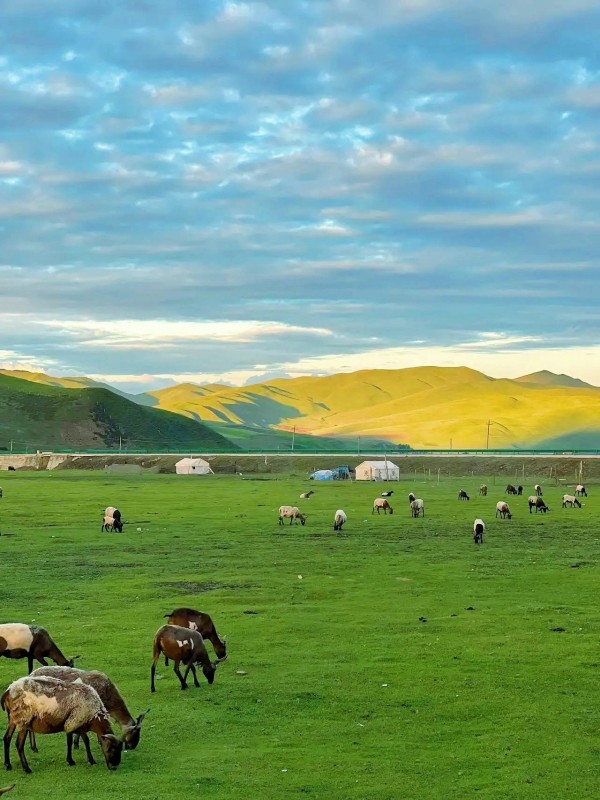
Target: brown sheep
x,y
31,642
182,644
47,705
107,692
198,621
381,503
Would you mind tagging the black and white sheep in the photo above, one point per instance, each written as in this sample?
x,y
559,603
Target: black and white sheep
x,y
478,531
503,510
580,490
417,508
570,500
112,520
339,520
535,501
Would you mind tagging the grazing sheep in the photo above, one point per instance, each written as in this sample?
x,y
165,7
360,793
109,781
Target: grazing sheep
x,y
182,644
519,490
581,490
510,489
462,495
306,495
483,490
570,500
503,509
109,695
198,621
417,508
478,531
535,501
47,705
381,503
538,490
31,642
387,494
411,497
291,512
340,519
112,520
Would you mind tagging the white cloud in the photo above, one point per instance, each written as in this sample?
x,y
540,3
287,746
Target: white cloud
x,y
147,334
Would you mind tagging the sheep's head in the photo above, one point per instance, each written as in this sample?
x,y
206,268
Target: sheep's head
x,y
302,518
132,733
112,747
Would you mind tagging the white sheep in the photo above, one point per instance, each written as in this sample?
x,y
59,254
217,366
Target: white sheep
x,y
570,500
339,520
581,490
49,705
417,508
503,509
381,503
292,513
306,495
538,490
478,531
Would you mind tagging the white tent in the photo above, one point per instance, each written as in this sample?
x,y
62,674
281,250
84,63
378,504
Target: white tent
x,y
192,466
377,471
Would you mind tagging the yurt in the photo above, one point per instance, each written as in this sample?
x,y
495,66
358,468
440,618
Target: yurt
x,y
377,471
193,466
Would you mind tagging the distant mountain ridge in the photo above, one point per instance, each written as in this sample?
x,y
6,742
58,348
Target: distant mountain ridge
x,y
546,378
425,407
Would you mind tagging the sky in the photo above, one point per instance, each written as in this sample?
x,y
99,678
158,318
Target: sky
x,y
197,190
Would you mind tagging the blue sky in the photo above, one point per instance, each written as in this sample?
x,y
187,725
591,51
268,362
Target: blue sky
x,y
202,190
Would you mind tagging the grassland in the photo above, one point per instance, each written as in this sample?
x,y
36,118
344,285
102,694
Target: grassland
x,y
346,692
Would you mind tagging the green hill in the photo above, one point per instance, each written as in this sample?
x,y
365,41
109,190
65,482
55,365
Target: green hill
x,y
425,407
43,417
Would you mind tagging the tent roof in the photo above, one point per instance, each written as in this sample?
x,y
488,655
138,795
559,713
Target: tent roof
x,y
379,464
192,462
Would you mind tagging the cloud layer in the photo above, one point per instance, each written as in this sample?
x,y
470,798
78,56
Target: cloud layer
x,y
248,188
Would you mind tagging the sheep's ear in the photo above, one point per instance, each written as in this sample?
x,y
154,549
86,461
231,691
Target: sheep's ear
x,y
140,719
110,737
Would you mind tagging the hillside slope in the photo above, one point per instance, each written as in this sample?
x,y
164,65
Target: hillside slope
x,y
42,417
423,406
80,382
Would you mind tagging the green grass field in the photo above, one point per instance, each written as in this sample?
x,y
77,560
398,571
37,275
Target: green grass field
x,y
346,693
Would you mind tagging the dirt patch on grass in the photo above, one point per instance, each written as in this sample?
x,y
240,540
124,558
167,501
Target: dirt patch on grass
x,y
193,587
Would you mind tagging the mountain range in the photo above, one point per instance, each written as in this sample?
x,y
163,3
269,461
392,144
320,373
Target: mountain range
x,y
423,407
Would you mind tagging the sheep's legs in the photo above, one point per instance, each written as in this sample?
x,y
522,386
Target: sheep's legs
x,y
152,674
32,742
88,749
193,669
76,741
7,740
21,739
178,673
70,760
